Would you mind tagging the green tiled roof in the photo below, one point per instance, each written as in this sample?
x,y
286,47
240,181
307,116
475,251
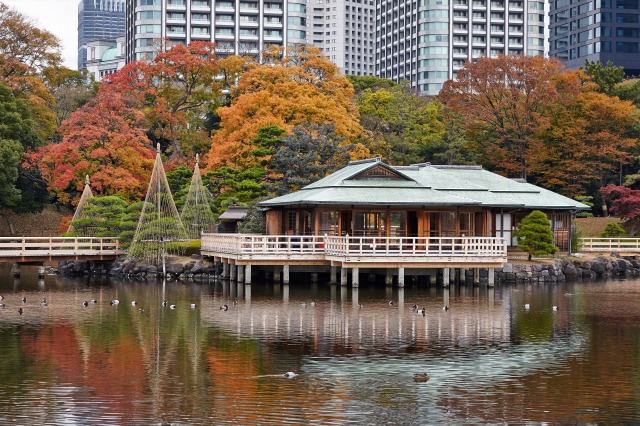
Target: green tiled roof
x,y
424,185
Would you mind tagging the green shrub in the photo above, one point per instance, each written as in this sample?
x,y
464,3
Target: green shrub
x,y
613,230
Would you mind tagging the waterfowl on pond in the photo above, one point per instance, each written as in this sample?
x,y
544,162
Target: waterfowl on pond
x,y
445,308
85,303
115,302
94,301
2,305
44,303
527,306
414,307
24,300
134,303
290,374
141,310
192,306
420,377
172,306
313,303
422,311
360,306
224,308
164,303
20,311
555,308
1,297
390,302
235,302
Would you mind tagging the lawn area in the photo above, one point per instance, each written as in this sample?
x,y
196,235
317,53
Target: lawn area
x,y
591,227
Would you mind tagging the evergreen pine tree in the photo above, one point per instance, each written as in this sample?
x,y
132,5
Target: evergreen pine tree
x,y
535,236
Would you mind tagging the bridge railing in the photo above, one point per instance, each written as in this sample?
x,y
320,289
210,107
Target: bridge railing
x,y
57,246
610,245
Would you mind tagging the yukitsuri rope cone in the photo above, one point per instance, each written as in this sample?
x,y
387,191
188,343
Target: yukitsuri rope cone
x,y
79,214
197,214
160,228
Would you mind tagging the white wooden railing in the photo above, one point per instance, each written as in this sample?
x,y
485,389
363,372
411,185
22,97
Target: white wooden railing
x,y
57,246
244,244
416,246
610,245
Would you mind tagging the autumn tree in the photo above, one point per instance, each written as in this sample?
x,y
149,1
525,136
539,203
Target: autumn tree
x,y
407,124
105,140
505,104
301,87
626,205
535,235
26,51
176,91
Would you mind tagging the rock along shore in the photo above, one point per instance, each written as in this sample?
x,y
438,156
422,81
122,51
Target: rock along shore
x,y
560,270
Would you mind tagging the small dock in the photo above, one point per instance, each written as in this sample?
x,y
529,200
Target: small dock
x,y
34,250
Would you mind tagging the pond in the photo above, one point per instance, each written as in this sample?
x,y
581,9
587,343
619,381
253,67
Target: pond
x,y
488,358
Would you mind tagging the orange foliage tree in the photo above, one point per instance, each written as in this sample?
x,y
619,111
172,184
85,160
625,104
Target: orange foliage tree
x,y
176,91
505,104
105,140
303,87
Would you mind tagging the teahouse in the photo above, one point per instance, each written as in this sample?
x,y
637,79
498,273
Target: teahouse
x,y
374,216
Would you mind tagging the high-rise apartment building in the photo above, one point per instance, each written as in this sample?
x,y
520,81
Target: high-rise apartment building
x,y
428,41
596,30
344,31
98,20
236,26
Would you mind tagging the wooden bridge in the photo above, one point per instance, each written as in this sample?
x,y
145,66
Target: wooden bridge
x,y
34,250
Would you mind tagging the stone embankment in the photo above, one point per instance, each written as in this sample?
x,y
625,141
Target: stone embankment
x,y
193,267
569,270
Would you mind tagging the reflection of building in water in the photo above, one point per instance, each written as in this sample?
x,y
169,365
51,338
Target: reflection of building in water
x,y
340,326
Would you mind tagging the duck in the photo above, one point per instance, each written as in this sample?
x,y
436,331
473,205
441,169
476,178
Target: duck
x,y
235,302
85,303
94,301
224,308
44,303
445,308
414,307
20,311
360,306
24,300
422,311
141,310
555,309
164,303
527,306
115,302
172,306
313,303
134,303
390,302
1,297
420,377
290,374
192,306
2,306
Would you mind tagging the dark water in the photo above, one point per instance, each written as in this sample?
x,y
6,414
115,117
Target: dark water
x,y
489,360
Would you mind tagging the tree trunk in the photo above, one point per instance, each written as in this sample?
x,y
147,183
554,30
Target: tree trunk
x,y
9,224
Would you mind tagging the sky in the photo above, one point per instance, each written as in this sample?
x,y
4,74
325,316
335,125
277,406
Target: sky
x,y
59,17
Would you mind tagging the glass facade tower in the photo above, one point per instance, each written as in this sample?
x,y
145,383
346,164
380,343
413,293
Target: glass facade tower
x,y
98,20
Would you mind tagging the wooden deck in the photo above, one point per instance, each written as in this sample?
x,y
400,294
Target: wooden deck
x,y
374,252
39,249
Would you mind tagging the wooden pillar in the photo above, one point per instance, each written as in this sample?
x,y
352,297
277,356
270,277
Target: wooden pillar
x,y
225,270
388,278
400,277
445,277
285,274
355,277
240,273
492,277
343,275
232,272
276,275
433,276
333,275
463,276
247,274
16,270
452,275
